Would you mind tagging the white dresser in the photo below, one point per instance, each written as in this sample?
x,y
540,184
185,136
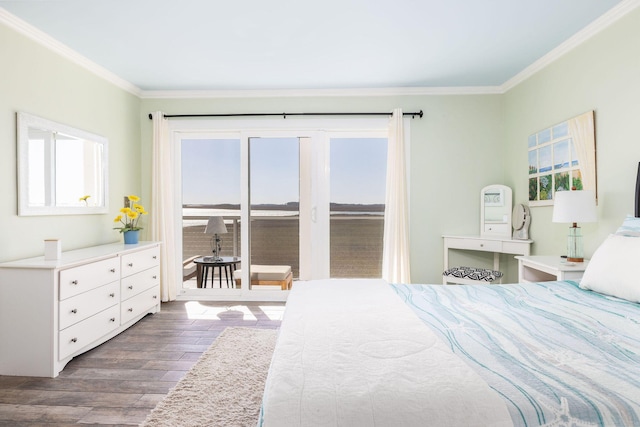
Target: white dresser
x,y
51,311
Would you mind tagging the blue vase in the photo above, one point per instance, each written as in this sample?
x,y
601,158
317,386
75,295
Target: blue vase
x,y
131,237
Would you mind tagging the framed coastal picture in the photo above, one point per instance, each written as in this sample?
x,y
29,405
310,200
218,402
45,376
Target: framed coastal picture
x,y
561,157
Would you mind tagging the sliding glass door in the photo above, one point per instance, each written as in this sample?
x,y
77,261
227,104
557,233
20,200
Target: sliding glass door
x,y
358,175
309,200
211,175
274,188
317,203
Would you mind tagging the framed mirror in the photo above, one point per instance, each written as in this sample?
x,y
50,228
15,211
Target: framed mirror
x,y
61,170
495,211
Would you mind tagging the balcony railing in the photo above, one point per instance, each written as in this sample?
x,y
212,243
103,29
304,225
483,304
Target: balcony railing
x,y
355,242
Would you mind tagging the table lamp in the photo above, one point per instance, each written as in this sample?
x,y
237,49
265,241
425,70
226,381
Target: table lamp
x,y
215,226
573,207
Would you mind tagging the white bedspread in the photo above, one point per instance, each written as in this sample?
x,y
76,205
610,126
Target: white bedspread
x,y
351,353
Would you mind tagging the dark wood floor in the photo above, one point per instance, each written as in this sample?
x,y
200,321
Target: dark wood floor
x,y
120,382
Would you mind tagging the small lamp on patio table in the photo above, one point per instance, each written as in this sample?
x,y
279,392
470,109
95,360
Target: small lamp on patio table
x,y
573,207
215,226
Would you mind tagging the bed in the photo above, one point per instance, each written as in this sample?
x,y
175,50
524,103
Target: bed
x,y
368,353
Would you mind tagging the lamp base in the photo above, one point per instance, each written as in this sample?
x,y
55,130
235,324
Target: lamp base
x,y
575,252
215,247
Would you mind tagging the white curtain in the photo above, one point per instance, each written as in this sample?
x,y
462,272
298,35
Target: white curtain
x,y
582,133
395,251
163,205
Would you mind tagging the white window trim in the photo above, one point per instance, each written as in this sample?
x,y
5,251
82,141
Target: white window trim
x,y
245,128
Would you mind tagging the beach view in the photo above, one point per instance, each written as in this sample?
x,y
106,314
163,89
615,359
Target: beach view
x,y
355,238
280,176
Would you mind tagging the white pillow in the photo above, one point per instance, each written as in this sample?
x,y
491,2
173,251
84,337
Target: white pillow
x,y
613,269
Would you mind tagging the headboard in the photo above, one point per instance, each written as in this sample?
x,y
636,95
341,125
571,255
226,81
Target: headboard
x,y
638,193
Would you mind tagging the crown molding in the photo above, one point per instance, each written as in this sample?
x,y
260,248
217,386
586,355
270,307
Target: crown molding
x,y
604,21
63,50
291,93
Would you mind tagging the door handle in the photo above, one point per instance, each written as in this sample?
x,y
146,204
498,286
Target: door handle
x,y
314,215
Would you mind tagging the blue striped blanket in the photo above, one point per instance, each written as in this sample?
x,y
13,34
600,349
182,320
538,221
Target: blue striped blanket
x,y
558,355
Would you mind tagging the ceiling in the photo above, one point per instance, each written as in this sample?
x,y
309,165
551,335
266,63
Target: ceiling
x,y
165,45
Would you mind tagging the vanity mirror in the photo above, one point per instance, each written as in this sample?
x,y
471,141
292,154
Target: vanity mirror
x,y
495,211
61,170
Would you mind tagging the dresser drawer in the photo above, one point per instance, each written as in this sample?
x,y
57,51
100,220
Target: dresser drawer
x,y
500,229
477,245
139,304
80,335
77,280
136,283
136,262
80,307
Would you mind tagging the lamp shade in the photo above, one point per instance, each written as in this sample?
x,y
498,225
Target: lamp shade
x,y
574,206
215,225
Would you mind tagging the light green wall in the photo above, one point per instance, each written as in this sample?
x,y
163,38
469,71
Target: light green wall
x,y
602,74
462,144
455,151
37,81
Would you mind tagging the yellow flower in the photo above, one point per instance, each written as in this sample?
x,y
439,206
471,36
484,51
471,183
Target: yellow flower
x,y
130,216
84,198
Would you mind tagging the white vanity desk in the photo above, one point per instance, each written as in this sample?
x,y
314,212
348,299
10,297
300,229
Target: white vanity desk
x,y
497,245
495,229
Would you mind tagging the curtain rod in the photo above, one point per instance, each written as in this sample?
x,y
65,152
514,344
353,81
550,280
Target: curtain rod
x,y
284,115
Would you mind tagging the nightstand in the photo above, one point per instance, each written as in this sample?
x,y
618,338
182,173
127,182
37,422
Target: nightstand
x,y
544,268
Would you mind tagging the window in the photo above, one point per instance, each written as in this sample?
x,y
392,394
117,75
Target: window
x,y
210,165
311,193
274,181
358,183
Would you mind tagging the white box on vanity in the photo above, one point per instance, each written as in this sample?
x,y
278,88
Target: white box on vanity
x,y
51,311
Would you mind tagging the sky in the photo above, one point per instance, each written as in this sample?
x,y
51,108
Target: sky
x,y
211,170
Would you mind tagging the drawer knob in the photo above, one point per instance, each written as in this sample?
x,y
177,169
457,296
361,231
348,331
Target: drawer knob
x,y
131,309
74,311
113,319
74,339
113,270
130,264
155,257
112,295
74,282
155,297
482,245
130,286
155,277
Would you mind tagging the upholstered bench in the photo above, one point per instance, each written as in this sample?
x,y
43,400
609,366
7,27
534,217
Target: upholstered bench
x,y
268,275
471,276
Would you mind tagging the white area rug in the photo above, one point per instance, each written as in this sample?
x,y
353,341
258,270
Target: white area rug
x,y
224,387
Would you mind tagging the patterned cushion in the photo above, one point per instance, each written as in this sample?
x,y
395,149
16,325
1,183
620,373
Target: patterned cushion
x,y
473,273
